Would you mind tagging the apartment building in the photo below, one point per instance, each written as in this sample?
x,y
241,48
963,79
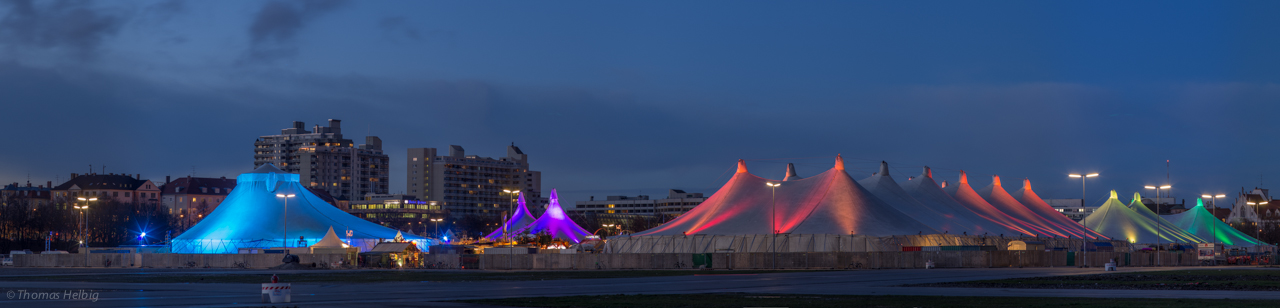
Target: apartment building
x,y
468,185
676,203
326,161
37,196
118,187
191,198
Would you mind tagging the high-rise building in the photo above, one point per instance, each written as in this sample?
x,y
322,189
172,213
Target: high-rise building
x,y
325,161
471,185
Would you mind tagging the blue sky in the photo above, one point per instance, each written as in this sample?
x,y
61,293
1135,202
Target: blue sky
x,y
630,98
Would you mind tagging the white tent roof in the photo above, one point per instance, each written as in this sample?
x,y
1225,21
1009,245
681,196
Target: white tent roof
x,y
884,187
1167,229
330,240
924,190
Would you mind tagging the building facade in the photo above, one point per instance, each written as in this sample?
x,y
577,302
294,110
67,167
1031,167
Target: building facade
x,y
326,161
37,196
190,198
1071,208
676,203
121,188
401,212
467,185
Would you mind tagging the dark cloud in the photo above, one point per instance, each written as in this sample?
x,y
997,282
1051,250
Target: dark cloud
x,y
74,27
274,27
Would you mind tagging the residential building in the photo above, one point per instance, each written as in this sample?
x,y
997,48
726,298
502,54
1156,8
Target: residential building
x,y
118,187
471,185
324,160
676,203
1256,213
1071,208
191,198
37,196
401,212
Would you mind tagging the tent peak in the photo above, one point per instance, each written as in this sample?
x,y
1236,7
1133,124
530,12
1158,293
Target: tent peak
x,y
928,172
995,180
839,162
1113,194
1026,183
964,179
884,168
791,173
944,184
1137,197
742,166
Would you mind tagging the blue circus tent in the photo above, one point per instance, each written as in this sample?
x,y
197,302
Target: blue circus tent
x,y
252,216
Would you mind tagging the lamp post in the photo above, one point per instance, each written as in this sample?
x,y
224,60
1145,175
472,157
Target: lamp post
x,y
773,221
286,216
1213,200
84,222
1084,221
1257,233
1157,220
436,221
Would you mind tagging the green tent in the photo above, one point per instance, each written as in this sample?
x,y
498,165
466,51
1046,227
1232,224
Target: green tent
x,y
1200,222
1169,232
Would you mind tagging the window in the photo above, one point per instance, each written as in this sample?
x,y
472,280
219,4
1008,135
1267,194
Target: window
x,y
126,194
115,194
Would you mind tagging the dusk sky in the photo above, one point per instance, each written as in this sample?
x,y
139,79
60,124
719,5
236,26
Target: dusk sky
x,y
614,98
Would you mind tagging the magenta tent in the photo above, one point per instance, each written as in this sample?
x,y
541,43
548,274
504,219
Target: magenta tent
x,y
513,225
555,223
925,190
1033,202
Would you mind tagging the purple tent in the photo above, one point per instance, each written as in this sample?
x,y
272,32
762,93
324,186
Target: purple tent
x,y
557,224
521,219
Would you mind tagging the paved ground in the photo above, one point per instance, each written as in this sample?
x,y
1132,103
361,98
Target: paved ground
x,y
423,294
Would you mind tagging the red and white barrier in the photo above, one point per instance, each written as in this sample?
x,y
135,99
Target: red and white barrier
x,y
276,293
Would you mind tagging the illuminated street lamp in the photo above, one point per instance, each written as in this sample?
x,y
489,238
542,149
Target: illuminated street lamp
x,y
1213,200
84,222
436,221
1158,225
1084,221
286,216
773,221
1257,208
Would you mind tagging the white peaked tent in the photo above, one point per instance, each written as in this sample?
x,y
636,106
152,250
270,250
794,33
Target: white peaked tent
x,y
971,200
330,240
791,173
828,203
1033,202
1199,222
924,190
1167,229
1116,220
998,197
884,187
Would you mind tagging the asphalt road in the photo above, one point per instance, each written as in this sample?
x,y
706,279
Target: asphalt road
x,y
428,294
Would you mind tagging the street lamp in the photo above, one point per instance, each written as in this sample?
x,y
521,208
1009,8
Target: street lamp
x,y
286,216
1213,200
511,205
436,221
1257,233
773,221
1084,221
1157,220
84,222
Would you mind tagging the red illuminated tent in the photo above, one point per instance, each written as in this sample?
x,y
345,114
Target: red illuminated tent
x,y
927,191
1033,202
971,200
998,197
828,203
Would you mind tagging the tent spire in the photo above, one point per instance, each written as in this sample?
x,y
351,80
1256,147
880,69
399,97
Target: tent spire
x,y
884,168
1026,184
1137,197
791,173
742,166
928,172
839,162
964,179
995,180
1113,194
